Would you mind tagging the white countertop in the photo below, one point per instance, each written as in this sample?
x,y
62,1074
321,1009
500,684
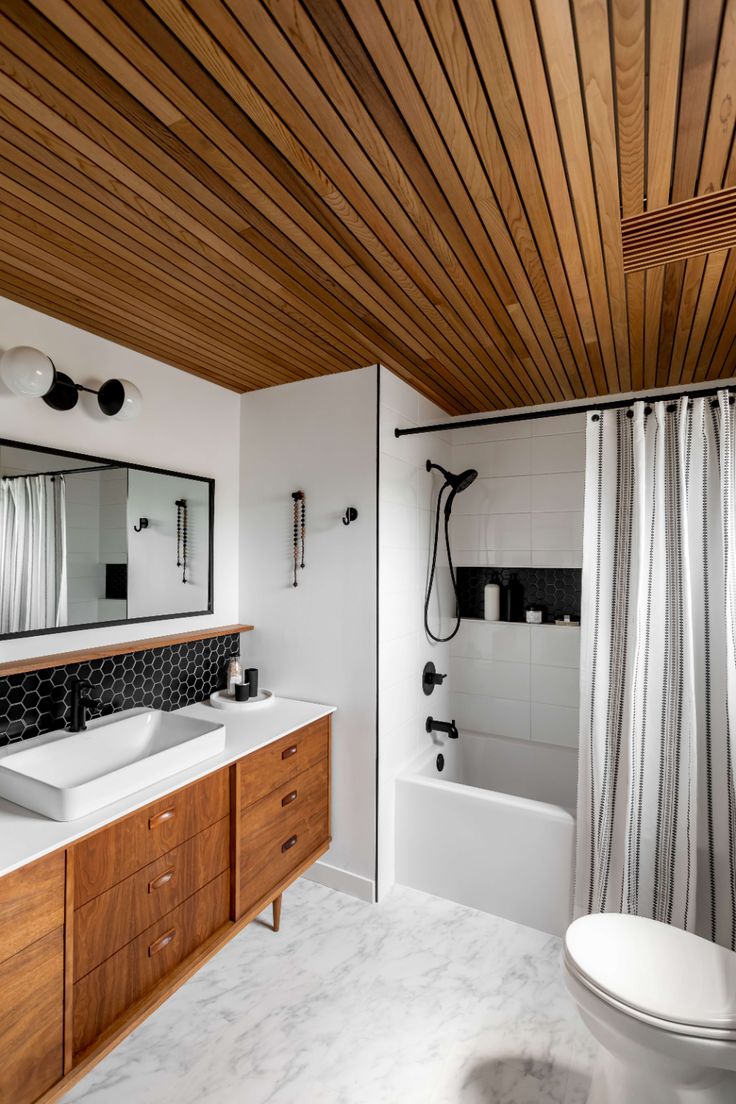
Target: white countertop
x,y
25,836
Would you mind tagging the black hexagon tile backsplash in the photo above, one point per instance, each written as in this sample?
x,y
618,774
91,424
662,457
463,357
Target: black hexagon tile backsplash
x,y
159,678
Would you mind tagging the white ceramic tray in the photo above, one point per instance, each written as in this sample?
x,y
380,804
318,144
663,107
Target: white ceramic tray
x,y
222,700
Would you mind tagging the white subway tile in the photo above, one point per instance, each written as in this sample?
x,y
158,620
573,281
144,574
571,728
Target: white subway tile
x,y
555,645
398,481
400,396
493,459
555,685
560,423
555,724
494,678
509,494
495,716
558,557
492,640
562,452
551,531
502,431
497,531
559,491
397,525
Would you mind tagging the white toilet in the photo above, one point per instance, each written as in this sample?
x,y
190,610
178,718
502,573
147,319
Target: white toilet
x,y
661,1003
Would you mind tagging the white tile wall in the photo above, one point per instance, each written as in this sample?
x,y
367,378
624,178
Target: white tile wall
x,y
516,680
525,509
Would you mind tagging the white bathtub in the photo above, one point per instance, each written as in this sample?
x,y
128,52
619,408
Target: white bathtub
x,y
495,829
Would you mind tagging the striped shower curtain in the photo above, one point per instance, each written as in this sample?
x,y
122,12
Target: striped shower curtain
x,y
33,566
656,796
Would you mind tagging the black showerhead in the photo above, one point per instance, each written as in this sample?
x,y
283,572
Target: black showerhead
x,y
458,482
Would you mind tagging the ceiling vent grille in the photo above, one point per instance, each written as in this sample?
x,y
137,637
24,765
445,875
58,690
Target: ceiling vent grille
x,y
701,225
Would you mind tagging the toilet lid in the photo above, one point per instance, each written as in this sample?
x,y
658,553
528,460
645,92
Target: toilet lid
x,y
656,969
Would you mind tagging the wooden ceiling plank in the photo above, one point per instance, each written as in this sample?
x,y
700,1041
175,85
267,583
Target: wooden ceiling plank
x,y
653,291
719,132
138,218
528,223
57,301
593,47
194,40
546,71
700,50
671,305
456,217
636,301
84,134
125,276
712,278
702,277
723,304
666,26
314,64
412,37
44,255
66,207
86,96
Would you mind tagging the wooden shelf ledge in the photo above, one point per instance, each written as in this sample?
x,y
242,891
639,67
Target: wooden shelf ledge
x,y
104,651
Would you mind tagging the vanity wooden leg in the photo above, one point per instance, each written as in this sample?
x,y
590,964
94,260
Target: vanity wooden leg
x,y
277,912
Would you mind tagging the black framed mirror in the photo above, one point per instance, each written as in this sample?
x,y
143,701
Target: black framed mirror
x,y
87,541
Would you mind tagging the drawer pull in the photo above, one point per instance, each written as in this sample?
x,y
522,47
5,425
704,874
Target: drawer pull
x,y
161,942
161,880
288,752
161,818
288,799
289,843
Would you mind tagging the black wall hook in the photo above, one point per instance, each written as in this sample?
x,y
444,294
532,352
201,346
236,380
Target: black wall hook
x,y
142,524
351,514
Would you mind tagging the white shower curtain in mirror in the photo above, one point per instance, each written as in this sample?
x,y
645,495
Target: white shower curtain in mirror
x,y
33,559
656,800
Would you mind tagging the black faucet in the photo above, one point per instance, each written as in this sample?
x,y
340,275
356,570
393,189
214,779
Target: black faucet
x,y
448,727
78,706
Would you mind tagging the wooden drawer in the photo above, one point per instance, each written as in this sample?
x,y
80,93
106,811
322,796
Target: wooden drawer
x,y
110,920
104,859
31,1040
105,993
275,839
31,903
272,766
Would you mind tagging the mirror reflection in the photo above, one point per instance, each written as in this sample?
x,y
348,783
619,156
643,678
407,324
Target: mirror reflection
x,y
85,542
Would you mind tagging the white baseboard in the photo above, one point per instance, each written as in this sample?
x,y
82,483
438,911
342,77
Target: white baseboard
x,y
342,880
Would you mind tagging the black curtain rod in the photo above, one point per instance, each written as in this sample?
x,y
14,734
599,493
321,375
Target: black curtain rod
x,y
530,415
66,471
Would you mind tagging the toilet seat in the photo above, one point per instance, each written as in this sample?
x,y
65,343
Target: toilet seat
x,y
656,973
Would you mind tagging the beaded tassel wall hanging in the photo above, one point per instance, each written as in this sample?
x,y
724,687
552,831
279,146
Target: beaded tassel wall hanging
x,y
182,536
300,525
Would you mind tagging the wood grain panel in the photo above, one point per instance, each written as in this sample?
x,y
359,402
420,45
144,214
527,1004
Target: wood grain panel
x,y
112,919
112,854
280,761
273,191
31,904
31,1050
105,993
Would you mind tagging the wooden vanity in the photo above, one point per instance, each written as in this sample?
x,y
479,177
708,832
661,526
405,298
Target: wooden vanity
x,y
94,936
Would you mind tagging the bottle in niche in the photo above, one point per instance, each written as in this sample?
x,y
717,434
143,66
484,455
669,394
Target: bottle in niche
x,y
234,674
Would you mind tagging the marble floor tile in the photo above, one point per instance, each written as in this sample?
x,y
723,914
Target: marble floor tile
x,y
413,1001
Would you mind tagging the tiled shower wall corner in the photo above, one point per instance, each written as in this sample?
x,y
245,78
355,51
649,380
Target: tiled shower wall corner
x,y
524,512
158,678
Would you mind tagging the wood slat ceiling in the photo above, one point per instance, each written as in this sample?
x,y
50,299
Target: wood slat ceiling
x,y
259,191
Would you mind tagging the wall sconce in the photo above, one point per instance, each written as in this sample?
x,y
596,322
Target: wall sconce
x,y
29,372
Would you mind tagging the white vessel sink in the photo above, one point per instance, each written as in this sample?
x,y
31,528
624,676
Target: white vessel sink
x,y
67,775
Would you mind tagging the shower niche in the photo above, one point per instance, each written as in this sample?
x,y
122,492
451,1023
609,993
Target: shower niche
x,y
554,590
86,541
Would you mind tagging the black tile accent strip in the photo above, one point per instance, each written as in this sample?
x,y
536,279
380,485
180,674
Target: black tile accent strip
x,y
159,678
556,589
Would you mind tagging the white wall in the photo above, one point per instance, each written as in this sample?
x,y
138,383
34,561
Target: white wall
x,y
407,494
186,425
318,641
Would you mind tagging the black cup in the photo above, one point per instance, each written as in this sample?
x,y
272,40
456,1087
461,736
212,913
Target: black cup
x,y
252,676
242,690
